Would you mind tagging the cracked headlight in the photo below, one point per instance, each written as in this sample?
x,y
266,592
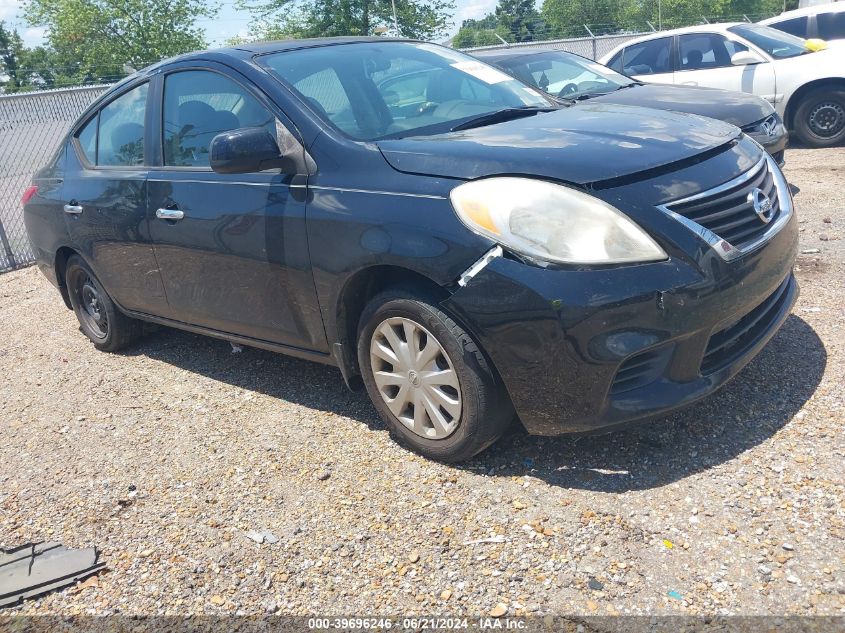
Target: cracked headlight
x,y
551,222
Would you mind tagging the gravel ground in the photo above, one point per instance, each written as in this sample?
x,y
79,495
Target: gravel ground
x,y
735,505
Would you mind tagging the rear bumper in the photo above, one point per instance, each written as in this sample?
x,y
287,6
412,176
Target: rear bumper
x,y
581,351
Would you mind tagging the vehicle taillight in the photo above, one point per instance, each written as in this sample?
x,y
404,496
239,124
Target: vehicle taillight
x,y
29,194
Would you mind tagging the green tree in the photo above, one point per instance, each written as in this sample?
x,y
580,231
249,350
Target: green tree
x,y
566,18
518,18
423,19
97,39
11,48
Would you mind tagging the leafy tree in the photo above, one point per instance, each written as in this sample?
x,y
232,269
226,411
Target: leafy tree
x,y
422,19
97,39
518,18
566,18
11,47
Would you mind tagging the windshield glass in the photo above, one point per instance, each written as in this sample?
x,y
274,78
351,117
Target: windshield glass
x,y
371,90
776,43
564,75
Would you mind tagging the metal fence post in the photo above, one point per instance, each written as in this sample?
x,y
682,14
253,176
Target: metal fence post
x,y
10,255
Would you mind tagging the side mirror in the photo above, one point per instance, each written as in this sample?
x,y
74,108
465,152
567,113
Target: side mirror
x,y
247,150
745,58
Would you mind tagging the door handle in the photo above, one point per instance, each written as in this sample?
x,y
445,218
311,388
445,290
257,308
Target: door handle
x,y
73,209
170,214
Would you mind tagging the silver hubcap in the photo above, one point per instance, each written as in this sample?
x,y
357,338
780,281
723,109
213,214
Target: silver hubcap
x,y
416,378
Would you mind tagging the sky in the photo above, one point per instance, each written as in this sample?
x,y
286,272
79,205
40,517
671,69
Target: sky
x,y
229,22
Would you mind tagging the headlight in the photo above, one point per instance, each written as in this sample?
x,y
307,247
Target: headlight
x,y
551,222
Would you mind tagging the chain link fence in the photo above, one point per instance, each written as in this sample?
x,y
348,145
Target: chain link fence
x,y
31,126
592,47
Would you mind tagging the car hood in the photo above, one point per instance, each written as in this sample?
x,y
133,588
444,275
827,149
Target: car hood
x,y
736,108
581,144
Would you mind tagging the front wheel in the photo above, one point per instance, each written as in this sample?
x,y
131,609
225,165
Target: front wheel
x,y
820,118
99,318
428,379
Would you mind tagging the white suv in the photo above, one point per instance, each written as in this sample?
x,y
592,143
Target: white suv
x,y
806,88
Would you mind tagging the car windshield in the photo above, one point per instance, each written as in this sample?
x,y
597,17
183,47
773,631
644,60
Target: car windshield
x,y
564,75
374,90
776,43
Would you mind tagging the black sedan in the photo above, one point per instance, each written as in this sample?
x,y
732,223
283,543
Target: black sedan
x,y
452,240
569,76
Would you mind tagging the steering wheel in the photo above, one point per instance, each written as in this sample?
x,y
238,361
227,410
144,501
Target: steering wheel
x,y
568,89
426,107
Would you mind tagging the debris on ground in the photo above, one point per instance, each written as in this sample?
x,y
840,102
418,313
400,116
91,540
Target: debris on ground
x,y
263,536
37,568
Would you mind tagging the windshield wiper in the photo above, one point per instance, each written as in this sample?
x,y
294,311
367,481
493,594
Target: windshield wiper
x,y
500,116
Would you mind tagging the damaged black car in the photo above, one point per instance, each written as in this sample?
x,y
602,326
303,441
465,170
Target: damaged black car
x,y
468,250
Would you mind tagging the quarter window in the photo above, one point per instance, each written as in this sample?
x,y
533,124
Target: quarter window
x,y
648,58
121,130
87,138
199,105
615,62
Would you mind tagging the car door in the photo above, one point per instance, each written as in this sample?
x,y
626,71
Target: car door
x,y
232,248
704,59
650,61
105,200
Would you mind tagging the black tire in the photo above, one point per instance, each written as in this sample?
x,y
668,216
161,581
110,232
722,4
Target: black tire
x,y
99,318
820,118
486,408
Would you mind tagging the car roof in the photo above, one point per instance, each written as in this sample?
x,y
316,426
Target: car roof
x,y
699,28
719,27
248,50
832,7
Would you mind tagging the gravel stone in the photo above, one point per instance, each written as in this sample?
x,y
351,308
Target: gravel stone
x,y
219,444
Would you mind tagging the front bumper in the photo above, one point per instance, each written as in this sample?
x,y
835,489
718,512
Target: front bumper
x,y
582,350
775,140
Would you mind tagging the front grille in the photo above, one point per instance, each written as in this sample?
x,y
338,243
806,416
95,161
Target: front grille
x,y
729,344
729,212
640,370
769,123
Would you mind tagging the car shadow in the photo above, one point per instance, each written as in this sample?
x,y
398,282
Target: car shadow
x,y
762,399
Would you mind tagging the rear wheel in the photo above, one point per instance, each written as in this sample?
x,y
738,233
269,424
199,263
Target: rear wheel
x,y
820,118
99,318
428,379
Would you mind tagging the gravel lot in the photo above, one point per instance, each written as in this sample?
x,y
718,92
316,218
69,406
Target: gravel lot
x,y
736,505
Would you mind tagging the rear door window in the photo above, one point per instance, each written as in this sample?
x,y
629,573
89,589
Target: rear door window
x,y
648,58
121,130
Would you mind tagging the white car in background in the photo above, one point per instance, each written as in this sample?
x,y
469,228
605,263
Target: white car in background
x,y
822,21
807,88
